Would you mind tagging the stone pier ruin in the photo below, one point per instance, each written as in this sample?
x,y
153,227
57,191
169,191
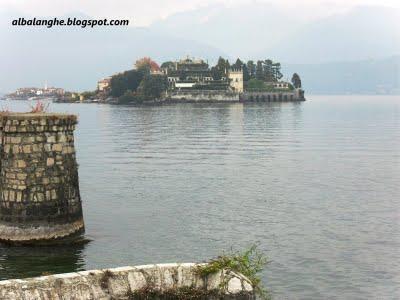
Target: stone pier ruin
x,y
39,187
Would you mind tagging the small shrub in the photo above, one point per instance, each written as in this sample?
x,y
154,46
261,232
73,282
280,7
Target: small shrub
x,y
39,107
249,263
104,279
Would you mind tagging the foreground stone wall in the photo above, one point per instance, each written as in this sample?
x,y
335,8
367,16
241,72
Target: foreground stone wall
x,y
39,188
127,283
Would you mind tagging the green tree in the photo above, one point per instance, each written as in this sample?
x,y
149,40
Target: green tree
x,y
168,65
220,69
238,64
129,97
268,70
271,71
296,81
246,75
117,85
227,67
251,67
129,80
276,71
216,75
260,74
152,86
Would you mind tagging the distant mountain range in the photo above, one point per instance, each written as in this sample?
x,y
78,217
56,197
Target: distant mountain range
x,y
374,76
240,30
261,30
353,52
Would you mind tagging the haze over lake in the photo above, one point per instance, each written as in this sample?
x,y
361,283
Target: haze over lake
x,y
314,183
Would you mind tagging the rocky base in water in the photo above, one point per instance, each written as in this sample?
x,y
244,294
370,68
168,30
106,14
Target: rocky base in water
x,y
164,281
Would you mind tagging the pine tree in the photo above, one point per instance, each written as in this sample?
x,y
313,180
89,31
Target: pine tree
x,y
296,81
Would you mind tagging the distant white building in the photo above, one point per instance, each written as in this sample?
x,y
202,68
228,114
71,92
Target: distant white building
x,y
281,85
186,85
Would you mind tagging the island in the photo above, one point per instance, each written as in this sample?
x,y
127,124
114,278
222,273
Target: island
x,y
193,80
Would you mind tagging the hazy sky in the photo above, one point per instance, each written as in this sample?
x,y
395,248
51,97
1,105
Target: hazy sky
x,y
144,12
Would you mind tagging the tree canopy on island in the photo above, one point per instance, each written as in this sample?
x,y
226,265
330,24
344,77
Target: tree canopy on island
x,y
220,69
296,81
167,65
152,86
128,80
265,70
146,63
139,84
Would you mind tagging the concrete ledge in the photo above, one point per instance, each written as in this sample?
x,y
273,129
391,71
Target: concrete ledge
x,y
36,234
121,283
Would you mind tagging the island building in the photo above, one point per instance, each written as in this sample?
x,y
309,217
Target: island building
x,y
193,74
103,84
236,82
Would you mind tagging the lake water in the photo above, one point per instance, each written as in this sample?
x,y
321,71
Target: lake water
x,y
316,184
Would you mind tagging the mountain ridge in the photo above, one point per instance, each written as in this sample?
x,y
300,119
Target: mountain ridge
x,y
75,58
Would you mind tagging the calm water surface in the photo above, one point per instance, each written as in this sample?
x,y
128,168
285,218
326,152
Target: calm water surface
x,y
315,183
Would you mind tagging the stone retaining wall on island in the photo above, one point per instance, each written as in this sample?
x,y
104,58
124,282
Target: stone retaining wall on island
x,y
137,282
203,96
39,187
265,96
231,96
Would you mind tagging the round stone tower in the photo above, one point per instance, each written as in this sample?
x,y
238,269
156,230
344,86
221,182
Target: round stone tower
x,y
39,186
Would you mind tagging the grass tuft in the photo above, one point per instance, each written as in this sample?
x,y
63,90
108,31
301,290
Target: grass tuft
x,y
105,278
250,263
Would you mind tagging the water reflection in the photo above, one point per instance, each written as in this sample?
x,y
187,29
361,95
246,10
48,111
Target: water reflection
x,y
22,262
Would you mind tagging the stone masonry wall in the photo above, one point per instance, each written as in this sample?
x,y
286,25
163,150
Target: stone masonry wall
x,y
203,96
122,283
261,96
229,96
39,188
